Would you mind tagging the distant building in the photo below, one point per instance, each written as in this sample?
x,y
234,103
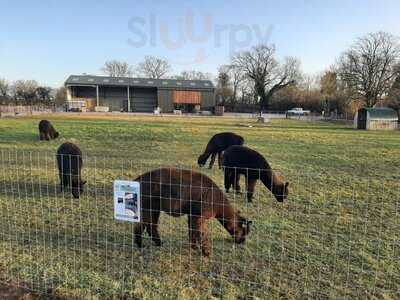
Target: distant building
x,y
376,118
139,94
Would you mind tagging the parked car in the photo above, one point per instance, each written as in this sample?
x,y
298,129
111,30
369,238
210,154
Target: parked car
x,y
297,111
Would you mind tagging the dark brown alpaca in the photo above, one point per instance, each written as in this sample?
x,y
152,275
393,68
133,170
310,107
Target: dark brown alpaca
x,y
217,144
179,192
47,131
240,160
69,162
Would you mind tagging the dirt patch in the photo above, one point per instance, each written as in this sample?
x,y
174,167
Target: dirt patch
x,y
10,292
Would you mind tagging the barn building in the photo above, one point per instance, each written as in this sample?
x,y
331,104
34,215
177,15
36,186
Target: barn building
x,y
140,94
376,118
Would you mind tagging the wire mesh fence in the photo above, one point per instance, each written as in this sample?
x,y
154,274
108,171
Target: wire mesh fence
x,y
334,237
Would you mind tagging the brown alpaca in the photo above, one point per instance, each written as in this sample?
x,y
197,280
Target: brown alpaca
x,y
47,131
69,162
240,160
217,144
179,192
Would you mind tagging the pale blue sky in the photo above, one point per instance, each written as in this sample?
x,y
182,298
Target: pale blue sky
x,y
47,40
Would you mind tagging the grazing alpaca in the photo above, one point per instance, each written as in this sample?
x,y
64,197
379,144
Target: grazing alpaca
x,y
240,160
69,162
217,144
178,192
47,131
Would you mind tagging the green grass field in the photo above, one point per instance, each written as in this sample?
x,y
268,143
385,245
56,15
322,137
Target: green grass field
x,y
337,236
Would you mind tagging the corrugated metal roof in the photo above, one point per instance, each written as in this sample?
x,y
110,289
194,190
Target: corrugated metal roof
x,y
142,82
382,113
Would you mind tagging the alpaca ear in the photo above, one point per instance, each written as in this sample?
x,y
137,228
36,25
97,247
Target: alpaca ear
x,y
286,185
83,182
249,223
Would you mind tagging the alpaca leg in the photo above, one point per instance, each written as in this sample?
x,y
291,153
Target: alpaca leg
x,y
138,230
64,181
193,231
204,242
152,228
219,160
251,184
227,179
235,181
61,177
47,137
41,137
212,160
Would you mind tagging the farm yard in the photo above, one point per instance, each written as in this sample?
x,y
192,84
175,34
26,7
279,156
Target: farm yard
x,y
337,235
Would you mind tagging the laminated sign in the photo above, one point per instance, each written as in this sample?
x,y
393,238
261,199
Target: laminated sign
x,y
127,200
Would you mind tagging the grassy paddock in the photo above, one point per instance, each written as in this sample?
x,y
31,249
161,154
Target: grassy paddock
x,y
336,237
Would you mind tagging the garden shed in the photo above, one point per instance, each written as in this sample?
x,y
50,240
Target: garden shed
x,y
382,118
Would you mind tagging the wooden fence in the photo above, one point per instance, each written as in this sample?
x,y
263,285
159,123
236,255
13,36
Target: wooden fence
x,y
23,110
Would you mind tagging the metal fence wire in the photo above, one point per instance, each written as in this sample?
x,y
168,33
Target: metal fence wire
x,y
334,237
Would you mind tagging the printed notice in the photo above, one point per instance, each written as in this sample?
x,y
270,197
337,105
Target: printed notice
x,y
127,200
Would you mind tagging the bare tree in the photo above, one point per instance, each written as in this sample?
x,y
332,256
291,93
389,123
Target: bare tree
x,y
237,77
394,94
369,67
194,75
115,68
61,96
268,75
4,88
224,90
25,90
44,94
153,67
310,82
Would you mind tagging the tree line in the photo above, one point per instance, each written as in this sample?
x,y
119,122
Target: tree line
x,y
366,74
151,67
28,92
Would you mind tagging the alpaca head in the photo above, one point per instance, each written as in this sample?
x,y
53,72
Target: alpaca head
x,y
201,160
77,188
240,229
281,191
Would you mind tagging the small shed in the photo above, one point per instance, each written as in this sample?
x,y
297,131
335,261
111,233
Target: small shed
x,y
382,118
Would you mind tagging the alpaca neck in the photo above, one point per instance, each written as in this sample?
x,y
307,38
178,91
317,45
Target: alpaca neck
x,y
206,154
270,180
226,216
